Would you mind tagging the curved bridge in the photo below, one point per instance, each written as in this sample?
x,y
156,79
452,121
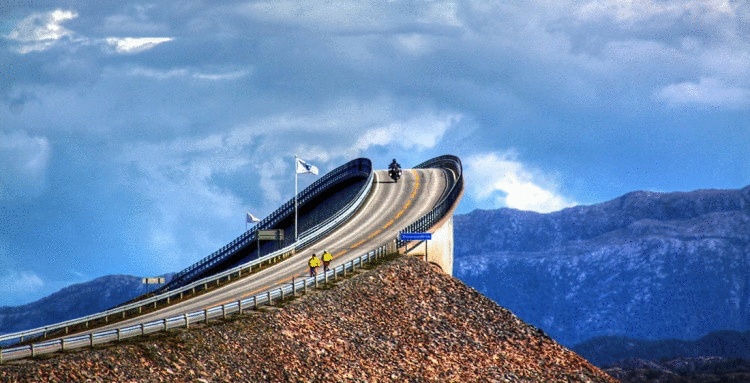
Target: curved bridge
x,y
353,212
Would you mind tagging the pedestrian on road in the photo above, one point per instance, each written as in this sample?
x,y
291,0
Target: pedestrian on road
x,y
314,263
327,258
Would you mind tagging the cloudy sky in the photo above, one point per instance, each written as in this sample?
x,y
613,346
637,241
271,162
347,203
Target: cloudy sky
x,y
135,135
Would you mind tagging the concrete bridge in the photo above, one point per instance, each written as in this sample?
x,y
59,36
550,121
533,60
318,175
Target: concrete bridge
x,y
354,212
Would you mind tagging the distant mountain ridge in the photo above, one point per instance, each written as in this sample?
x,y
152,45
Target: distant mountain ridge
x,y
73,302
645,265
681,370
605,351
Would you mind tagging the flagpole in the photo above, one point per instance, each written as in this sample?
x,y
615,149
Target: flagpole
x,y
295,198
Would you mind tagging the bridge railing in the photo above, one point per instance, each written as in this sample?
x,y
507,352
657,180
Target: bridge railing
x,y
427,221
450,163
267,298
362,166
357,167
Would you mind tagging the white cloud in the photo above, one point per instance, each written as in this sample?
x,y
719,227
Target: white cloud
x,y
708,92
177,73
634,11
130,45
512,184
421,132
363,16
40,31
177,178
24,161
21,282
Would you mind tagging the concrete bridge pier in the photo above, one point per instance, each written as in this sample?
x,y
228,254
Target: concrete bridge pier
x,y
440,248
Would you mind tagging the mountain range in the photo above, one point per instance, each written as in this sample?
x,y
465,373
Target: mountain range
x,y
609,350
73,301
645,265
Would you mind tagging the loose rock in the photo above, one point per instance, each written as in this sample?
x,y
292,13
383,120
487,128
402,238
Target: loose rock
x,y
402,321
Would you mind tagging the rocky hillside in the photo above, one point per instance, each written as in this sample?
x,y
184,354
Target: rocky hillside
x,y
401,322
645,265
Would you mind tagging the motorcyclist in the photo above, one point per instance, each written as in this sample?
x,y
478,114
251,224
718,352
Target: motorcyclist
x,y
394,165
394,170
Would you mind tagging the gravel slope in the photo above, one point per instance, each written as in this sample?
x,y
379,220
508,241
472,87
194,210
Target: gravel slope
x,y
403,321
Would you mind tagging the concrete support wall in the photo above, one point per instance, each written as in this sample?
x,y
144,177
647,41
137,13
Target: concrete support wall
x,y
440,248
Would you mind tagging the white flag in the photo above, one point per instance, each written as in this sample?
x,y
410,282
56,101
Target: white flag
x,y
251,218
304,167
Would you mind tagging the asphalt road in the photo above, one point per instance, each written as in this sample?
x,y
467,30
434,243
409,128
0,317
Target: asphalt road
x,y
389,208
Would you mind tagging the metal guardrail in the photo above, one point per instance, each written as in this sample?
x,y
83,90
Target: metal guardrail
x,y
266,298
453,164
448,162
309,236
357,167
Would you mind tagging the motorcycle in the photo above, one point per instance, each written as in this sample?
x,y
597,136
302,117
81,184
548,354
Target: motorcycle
x,y
394,173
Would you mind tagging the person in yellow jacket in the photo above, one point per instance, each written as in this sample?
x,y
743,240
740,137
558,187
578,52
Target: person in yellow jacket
x,y
314,263
327,258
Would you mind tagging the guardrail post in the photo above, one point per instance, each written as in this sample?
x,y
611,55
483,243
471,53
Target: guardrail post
x,y
281,289
33,352
224,311
239,305
294,287
91,340
62,344
255,302
269,298
205,315
165,323
118,334
187,321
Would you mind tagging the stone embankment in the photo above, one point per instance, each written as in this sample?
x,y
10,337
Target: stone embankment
x,y
402,321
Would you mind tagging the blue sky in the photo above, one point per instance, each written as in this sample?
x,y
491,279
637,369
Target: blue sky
x,y
135,135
